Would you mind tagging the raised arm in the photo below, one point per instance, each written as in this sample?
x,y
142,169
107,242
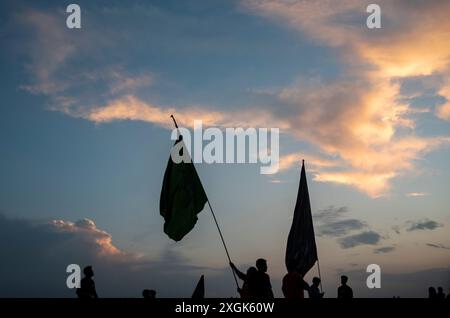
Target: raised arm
x,y
239,274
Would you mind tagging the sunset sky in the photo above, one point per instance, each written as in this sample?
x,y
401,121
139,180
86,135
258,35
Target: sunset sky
x,y
85,138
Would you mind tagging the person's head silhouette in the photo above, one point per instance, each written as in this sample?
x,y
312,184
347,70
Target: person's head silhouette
x,y
88,272
261,265
149,294
440,290
316,281
344,280
431,292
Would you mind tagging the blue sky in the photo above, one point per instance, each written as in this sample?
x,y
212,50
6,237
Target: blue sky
x,y
84,132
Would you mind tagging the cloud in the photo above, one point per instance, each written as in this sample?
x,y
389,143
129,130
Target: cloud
x,y
360,124
424,225
86,231
371,128
340,228
375,163
331,222
36,254
47,51
313,162
383,250
54,53
123,83
401,48
130,107
364,238
276,181
440,246
330,213
443,111
417,194
396,229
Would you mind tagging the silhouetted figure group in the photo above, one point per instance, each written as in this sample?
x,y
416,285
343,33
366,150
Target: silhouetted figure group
x,y
256,281
294,287
257,285
432,294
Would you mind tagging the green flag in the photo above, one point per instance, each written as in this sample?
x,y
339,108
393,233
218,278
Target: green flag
x,y
182,196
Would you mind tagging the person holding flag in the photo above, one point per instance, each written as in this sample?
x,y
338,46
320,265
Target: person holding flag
x,y
183,197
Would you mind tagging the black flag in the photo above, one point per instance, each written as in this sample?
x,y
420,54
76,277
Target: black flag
x,y
199,291
301,251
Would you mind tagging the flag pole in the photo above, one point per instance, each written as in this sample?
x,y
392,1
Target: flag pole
x,y
223,241
214,216
320,276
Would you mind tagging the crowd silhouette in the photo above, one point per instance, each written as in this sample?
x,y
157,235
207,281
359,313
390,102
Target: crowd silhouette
x,y
257,285
256,281
149,294
432,294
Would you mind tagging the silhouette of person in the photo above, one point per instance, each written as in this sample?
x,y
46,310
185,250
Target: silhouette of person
x,y
344,291
263,287
314,291
432,293
440,294
149,294
248,287
294,285
87,285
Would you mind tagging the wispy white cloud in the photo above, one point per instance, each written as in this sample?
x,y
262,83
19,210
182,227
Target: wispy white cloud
x,y
47,51
443,111
362,117
53,55
417,194
360,120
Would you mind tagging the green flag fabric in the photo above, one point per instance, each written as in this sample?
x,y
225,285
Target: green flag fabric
x,y
182,197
